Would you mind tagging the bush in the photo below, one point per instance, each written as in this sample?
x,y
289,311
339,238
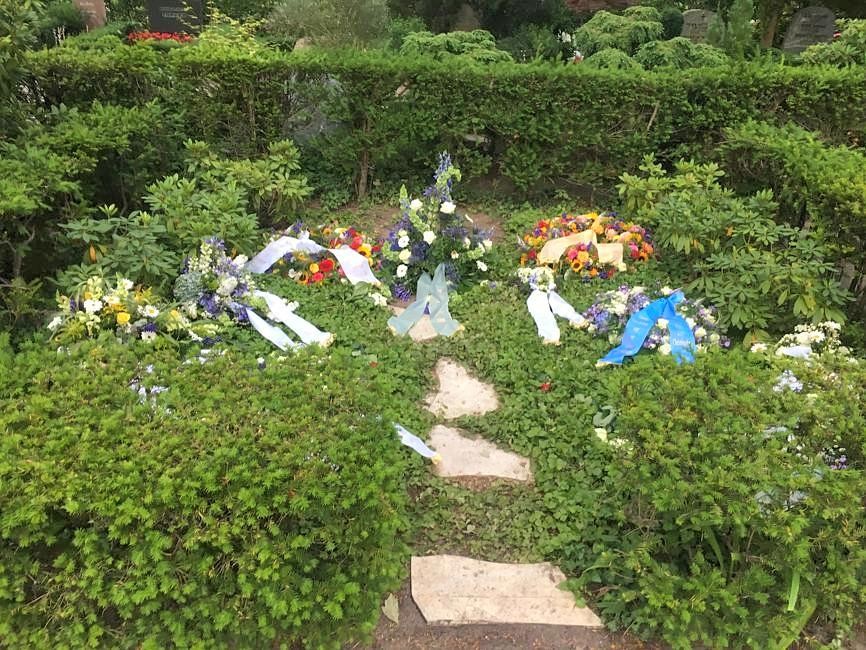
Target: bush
x,y
626,32
737,532
731,250
192,518
59,20
848,49
679,53
534,43
672,20
330,22
612,59
477,46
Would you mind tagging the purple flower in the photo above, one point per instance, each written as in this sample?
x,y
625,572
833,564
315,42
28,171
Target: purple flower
x,y
402,292
216,242
149,327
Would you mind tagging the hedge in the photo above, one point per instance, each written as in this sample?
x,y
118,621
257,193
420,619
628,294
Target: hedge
x,y
531,125
241,507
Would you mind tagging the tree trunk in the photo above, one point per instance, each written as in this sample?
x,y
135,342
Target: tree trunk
x,y
769,24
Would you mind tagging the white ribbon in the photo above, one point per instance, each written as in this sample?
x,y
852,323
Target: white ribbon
x,y
306,331
354,265
273,334
414,442
544,306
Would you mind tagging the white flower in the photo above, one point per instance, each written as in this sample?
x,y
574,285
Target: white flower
x,y
150,311
126,284
92,306
601,433
454,255
691,323
662,323
402,233
56,322
401,271
665,348
403,242
715,337
620,308
112,300
378,299
621,267
415,205
481,266
148,336
227,285
467,242
487,243
405,254
758,347
447,208
666,291
700,333
241,260
429,236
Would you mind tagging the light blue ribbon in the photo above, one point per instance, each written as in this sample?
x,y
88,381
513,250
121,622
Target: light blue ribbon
x,y
682,339
432,294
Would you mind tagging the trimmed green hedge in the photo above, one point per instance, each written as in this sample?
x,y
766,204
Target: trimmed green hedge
x,y
541,124
239,508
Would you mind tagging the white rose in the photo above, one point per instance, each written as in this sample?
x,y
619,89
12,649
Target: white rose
x,y
447,208
620,309
241,260
454,255
401,271
402,233
487,243
403,242
92,306
665,348
415,205
700,333
481,266
405,254
429,236
662,323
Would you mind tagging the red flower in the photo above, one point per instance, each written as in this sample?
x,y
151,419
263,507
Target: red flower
x,y
532,254
317,277
326,266
357,242
545,387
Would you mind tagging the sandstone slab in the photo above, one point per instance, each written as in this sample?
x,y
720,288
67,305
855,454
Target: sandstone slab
x,y
453,590
460,393
463,456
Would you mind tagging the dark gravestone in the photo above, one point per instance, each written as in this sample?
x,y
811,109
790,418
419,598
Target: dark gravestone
x,y
809,26
175,16
93,12
696,23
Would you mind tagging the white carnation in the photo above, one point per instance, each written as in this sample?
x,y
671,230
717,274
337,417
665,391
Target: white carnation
x,y
447,208
401,271
415,205
92,306
429,236
405,254
403,242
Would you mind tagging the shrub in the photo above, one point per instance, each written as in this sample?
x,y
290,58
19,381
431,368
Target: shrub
x,y
731,250
190,517
735,531
612,59
679,53
533,43
626,32
734,32
477,46
59,20
330,22
848,49
672,20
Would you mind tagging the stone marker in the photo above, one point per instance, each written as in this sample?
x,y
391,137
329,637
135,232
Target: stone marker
x,y
175,16
463,456
459,393
93,11
422,330
450,589
809,26
466,19
696,23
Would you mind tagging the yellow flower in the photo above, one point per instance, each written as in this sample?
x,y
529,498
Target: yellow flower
x,y
88,295
122,318
364,249
314,268
583,257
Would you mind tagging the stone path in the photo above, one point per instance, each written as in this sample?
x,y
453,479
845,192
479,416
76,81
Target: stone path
x,y
450,589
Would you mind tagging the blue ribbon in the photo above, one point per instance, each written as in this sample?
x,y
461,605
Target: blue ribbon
x,y
432,295
682,339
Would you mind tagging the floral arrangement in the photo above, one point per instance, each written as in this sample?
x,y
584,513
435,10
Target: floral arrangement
x,y
431,232
582,260
540,278
129,311
808,340
213,285
138,37
313,269
611,311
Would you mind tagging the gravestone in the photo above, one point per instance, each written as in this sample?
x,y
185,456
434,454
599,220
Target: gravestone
x,y
809,26
466,19
174,16
696,23
93,12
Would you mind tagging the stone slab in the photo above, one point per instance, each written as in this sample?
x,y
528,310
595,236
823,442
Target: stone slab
x,y
463,456
809,26
696,24
460,393
454,590
422,330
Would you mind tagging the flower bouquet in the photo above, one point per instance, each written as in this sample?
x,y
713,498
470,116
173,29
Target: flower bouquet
x,y
319,268
586,259
431,232
809,340
611,311
120,307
